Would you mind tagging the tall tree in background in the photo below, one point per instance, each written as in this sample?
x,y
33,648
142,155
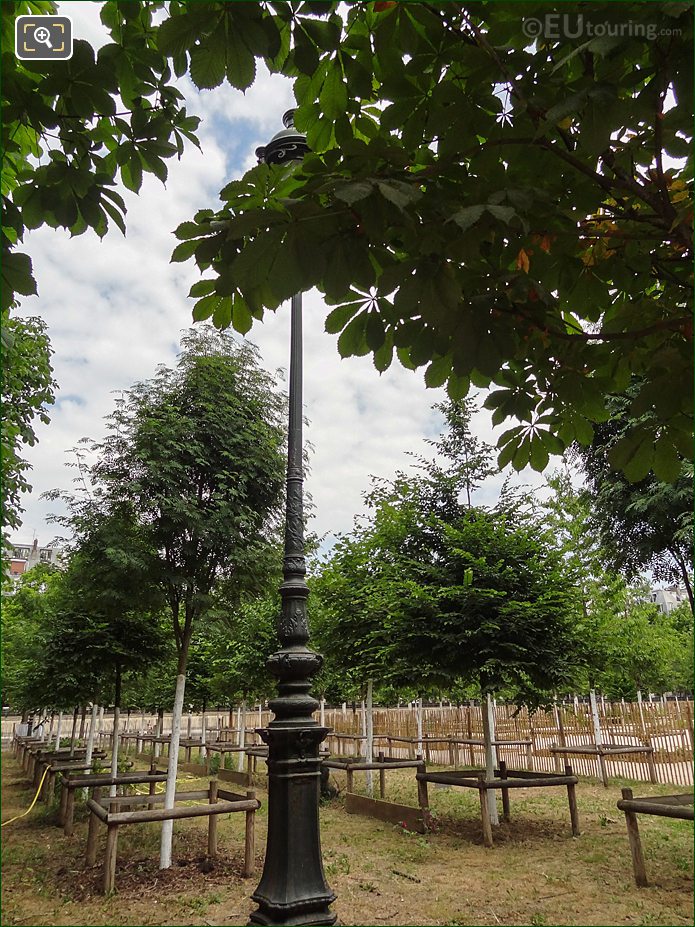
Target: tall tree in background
x,y
647,523
27,392
27,616
195,454
470,460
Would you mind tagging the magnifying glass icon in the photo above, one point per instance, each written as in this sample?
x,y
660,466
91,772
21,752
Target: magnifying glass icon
x,y
43,36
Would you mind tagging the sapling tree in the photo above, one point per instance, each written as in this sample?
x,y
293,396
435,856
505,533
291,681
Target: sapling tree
x,y
478,597
195,454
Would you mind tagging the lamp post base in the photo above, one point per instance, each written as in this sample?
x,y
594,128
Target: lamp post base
x,y
310,919
293,889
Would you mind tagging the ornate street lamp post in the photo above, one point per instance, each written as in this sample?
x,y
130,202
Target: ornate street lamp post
x,y
293,889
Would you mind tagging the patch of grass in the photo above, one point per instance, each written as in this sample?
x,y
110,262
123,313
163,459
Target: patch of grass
x,y
447,877
337,863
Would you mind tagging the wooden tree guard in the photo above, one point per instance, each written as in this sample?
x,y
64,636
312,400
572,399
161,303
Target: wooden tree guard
x,y
505,779
667,806
218,801
607,750
70,783
391,812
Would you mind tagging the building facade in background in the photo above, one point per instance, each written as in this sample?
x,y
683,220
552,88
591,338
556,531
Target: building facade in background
x,y
669,598
26,556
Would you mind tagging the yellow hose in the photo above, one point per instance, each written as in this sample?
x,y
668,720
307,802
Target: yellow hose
x,y
17,817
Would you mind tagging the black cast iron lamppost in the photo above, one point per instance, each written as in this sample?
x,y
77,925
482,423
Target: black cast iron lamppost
x,y
293,889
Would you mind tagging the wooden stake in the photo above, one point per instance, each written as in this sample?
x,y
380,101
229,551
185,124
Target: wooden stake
x,y
250,838
505,794
110,857
635,843
485,813
212,822
92,832
69,810
422,797
572,801
382,778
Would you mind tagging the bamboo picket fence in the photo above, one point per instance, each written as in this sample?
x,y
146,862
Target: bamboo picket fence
x,y
666,726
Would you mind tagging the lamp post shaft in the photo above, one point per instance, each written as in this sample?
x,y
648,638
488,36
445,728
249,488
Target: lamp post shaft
x,y
293,889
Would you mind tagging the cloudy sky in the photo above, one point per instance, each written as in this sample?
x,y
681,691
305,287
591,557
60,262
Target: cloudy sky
x,y
116,309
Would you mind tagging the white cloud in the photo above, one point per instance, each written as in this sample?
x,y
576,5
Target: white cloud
x,y
115,310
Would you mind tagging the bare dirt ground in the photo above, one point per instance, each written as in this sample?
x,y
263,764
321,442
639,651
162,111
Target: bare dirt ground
x,y
536,874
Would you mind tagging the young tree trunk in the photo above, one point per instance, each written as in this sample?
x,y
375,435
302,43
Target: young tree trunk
x,y
598,738
242,736
490,755
203,736
369,752
83,723
159,731
418,721
169,797
363,730
92,732
74,730
116,732
114,747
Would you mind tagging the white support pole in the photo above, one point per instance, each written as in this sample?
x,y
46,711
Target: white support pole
x,y
260,714
159,731
322,711
598,738
114,748
489,735
203,736
241,756
73,733
369,746
92,733
418,721
641,711
170,793
363,730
